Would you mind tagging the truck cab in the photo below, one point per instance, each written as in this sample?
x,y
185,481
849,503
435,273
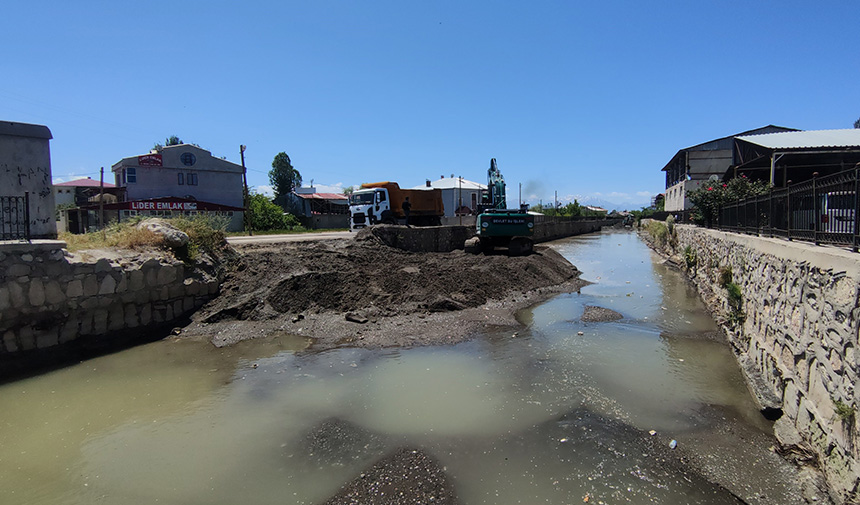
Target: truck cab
x,y
368,207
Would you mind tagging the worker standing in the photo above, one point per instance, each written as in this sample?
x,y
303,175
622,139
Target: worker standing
x,y
406,208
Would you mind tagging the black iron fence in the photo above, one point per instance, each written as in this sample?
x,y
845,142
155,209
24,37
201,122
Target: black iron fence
x,y
15,217
823,210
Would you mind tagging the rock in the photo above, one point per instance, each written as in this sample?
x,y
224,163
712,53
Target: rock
x,y
355,318
173,237
599,314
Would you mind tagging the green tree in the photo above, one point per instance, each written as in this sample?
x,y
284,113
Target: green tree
x,y
263,214
348,190
857,124
283,177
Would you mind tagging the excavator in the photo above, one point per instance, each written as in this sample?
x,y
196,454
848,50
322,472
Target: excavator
x,y
498,226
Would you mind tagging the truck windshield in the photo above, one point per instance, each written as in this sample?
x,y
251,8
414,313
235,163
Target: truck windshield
x,y
360,198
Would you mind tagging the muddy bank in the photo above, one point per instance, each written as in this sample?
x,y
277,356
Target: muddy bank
x,y
366,294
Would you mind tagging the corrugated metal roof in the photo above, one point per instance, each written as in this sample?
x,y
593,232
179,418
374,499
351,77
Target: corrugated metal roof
x,y
452,183
810,139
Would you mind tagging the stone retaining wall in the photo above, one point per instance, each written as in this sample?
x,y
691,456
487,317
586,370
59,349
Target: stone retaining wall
x,y
798,342
48,297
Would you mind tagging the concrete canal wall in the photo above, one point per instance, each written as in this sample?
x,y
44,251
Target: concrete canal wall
x,y
798,343
48,297
552,230
449,238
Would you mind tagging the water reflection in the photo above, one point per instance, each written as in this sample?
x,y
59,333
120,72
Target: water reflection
x,y
548,415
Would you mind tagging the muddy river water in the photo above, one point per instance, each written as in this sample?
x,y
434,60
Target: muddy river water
x,y
560,412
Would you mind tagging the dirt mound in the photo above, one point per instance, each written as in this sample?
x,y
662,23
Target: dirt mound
x,y
304,283
349,277
407,476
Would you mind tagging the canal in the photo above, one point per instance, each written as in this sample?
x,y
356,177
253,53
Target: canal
x,y
650,408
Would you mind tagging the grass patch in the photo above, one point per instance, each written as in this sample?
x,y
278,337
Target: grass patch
x,y
204,233
123,235
844,411
659,232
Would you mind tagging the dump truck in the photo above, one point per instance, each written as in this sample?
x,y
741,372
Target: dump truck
x,y
382,203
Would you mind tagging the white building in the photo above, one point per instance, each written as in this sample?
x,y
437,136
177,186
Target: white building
x,y
457,193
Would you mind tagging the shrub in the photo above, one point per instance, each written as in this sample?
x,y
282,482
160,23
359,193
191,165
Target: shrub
x,y
736,304
844,411
205,233
691,257
264,214
711,196
724,277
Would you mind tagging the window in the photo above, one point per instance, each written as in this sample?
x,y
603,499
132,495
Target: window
x,y
187,159
129,175
180,178
191,178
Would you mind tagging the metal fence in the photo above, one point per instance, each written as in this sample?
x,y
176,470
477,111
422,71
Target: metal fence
x,y
15,217
823,210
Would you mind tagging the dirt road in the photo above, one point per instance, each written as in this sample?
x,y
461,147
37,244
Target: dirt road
x,y
291,237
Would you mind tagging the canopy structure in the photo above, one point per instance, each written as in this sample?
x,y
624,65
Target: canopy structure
x,y
795,156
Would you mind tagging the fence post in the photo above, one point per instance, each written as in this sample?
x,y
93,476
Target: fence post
x,y
770,212
816,213
756,217
856,240
788,207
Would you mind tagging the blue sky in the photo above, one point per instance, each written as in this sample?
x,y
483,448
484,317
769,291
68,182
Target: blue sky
x,y
586,99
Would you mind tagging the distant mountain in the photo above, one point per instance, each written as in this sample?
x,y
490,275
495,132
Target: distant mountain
x,y
610,206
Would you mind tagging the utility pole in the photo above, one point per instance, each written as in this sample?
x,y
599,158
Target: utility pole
x,y
245,192
102,201
460,198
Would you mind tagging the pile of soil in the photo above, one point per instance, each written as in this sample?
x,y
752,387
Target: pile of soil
x,y
367,294
407,476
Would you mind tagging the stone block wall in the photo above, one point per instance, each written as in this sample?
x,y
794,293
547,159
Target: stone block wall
x,y
798,342
48,297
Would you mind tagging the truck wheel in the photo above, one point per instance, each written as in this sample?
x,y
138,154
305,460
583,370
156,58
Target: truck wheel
x,y
388,218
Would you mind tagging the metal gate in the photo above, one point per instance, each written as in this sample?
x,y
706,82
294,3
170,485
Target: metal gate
x,y
15,217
